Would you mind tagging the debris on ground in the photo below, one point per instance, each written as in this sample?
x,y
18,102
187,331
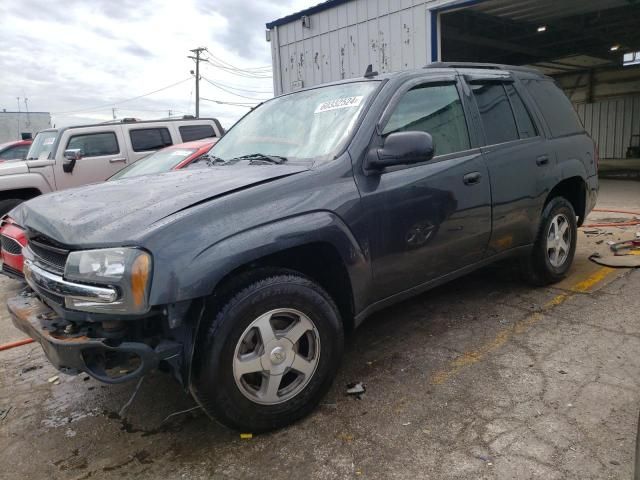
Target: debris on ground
x,y
562,372
246,436
356,389
30,369
4,412
617,261
53,379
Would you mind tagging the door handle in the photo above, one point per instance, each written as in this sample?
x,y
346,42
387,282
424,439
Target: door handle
x,y
116,160
542,160
472,178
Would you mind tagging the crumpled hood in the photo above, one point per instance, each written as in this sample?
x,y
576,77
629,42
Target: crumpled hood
x,y
116,212
13,167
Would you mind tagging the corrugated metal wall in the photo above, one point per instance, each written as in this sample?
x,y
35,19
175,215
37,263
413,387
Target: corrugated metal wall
x,y
389,34
611,123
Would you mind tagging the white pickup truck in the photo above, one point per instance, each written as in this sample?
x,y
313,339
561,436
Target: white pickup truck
x,y
73,156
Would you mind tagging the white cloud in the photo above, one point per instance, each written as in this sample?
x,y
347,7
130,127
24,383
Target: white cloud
x,y
72,56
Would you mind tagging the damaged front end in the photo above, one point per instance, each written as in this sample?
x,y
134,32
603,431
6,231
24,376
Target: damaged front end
x,y
110,351
111,347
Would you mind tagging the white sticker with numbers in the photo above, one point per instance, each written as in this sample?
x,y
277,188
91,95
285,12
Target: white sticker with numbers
x,y
346,102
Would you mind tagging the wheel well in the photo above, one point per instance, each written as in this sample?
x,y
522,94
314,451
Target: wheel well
x,y
574,190
318,261
22,193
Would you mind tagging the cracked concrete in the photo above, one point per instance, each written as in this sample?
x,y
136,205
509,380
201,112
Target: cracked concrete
x,y
483,378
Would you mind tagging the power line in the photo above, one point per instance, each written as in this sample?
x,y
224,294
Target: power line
x,y
230,92
240,89
248,69
242,72
110,105
234,104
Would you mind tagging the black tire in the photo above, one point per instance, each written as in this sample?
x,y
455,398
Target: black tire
x,y
8,204
213,383
537,268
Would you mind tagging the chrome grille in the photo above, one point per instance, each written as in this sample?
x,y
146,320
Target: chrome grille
x,y
10,245
50,257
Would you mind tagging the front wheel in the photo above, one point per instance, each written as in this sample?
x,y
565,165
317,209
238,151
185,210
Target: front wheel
x,y
269,354
555,245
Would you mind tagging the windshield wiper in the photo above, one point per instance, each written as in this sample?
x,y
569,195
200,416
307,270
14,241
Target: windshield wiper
x,y
261,157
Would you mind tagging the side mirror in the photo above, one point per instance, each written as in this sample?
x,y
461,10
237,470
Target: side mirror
x,y
71,156
402,148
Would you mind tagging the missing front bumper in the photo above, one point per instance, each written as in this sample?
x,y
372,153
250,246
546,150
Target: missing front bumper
x,y
78,353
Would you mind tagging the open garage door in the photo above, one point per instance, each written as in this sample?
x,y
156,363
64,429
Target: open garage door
x,y
591,47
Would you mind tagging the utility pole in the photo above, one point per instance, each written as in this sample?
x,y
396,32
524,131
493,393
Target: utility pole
x,y
19,113
169,113
113,112
26,107
197,52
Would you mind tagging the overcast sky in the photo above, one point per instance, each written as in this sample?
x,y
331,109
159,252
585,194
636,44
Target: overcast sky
x,y
79,58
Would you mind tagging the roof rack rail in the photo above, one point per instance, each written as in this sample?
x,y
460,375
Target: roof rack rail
x,y
487,66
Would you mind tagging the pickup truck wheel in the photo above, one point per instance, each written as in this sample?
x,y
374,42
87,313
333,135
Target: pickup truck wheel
x,y
555,245
269,354
7,205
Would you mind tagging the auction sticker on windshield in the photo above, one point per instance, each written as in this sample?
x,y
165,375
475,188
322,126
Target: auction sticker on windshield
x,y
346,102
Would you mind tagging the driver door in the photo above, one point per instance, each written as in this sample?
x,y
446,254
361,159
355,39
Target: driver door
x,y
103,154
431,218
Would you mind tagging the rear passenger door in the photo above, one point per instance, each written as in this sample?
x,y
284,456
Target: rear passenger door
x,y
517,156
103,154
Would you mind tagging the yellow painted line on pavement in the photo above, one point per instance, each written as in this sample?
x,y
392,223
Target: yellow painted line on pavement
x,y
472,357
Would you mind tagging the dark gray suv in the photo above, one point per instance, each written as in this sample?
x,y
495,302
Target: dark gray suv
x,y
316,209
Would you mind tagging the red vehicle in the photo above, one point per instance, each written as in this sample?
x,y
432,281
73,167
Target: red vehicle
x,y
13,238
16,150
175,157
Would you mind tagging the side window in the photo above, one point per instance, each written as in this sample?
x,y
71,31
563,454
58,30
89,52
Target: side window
x,y
523,118
95,144
434,109
144,139
13,153
495,111
556,108
196,132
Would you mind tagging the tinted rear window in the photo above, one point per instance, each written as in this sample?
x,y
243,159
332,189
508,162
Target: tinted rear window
x,y
196,132
495,111
555,107
523,117
144,139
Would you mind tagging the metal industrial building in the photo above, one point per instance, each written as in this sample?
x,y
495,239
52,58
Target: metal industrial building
x,y
14,124
591,47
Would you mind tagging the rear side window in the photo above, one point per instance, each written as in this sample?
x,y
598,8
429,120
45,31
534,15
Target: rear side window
x,y
143,139
13,153
523,118
95,144
436,110
495,111
555,107
196,132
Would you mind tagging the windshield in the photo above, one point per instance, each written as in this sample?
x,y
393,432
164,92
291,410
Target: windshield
x,y
158,162
42,145
313,124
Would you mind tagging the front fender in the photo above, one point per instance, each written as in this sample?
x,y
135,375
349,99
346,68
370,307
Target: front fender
x,y
211,264
20,181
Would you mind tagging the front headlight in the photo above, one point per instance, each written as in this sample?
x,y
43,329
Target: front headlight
x,y
127,269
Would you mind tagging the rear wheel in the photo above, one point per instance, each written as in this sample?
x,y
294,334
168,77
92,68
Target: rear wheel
x,y
269,354
555,245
